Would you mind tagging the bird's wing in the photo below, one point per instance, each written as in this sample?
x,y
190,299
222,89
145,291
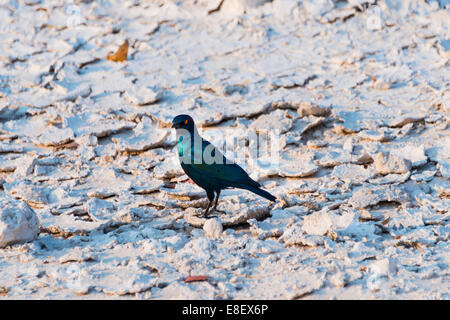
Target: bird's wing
x,y
218,167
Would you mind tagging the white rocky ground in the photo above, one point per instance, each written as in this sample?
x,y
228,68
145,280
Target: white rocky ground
x,y
360,94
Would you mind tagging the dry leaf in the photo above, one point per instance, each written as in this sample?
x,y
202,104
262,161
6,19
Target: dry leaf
x,y
121,53
195,278
4,291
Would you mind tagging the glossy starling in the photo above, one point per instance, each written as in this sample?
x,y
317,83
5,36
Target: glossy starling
x,y
207,166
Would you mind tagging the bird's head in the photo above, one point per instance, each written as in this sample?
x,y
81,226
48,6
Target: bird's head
x,y
183,121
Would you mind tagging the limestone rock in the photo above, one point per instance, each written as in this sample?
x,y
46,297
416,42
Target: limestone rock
x,y
18,222
213,228
389,163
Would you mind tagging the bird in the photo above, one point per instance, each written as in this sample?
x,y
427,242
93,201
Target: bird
x,y
204,164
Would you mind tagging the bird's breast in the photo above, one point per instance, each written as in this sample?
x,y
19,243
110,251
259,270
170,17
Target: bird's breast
x,y
180,147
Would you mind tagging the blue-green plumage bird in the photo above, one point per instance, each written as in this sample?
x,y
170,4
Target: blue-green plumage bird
x,y
207,166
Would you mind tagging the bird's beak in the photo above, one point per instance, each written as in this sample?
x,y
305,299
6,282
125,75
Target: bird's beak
x,y
174,125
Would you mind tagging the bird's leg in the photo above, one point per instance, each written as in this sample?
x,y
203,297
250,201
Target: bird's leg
x,y
211,199
205,214
217,200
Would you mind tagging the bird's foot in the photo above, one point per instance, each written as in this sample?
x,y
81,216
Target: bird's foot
x,y
219,211
213,213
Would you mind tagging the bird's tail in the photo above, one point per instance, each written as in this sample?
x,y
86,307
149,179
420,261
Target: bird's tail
x,y
260,192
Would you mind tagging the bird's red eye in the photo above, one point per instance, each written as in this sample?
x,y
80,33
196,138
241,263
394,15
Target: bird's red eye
x,y
185,121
